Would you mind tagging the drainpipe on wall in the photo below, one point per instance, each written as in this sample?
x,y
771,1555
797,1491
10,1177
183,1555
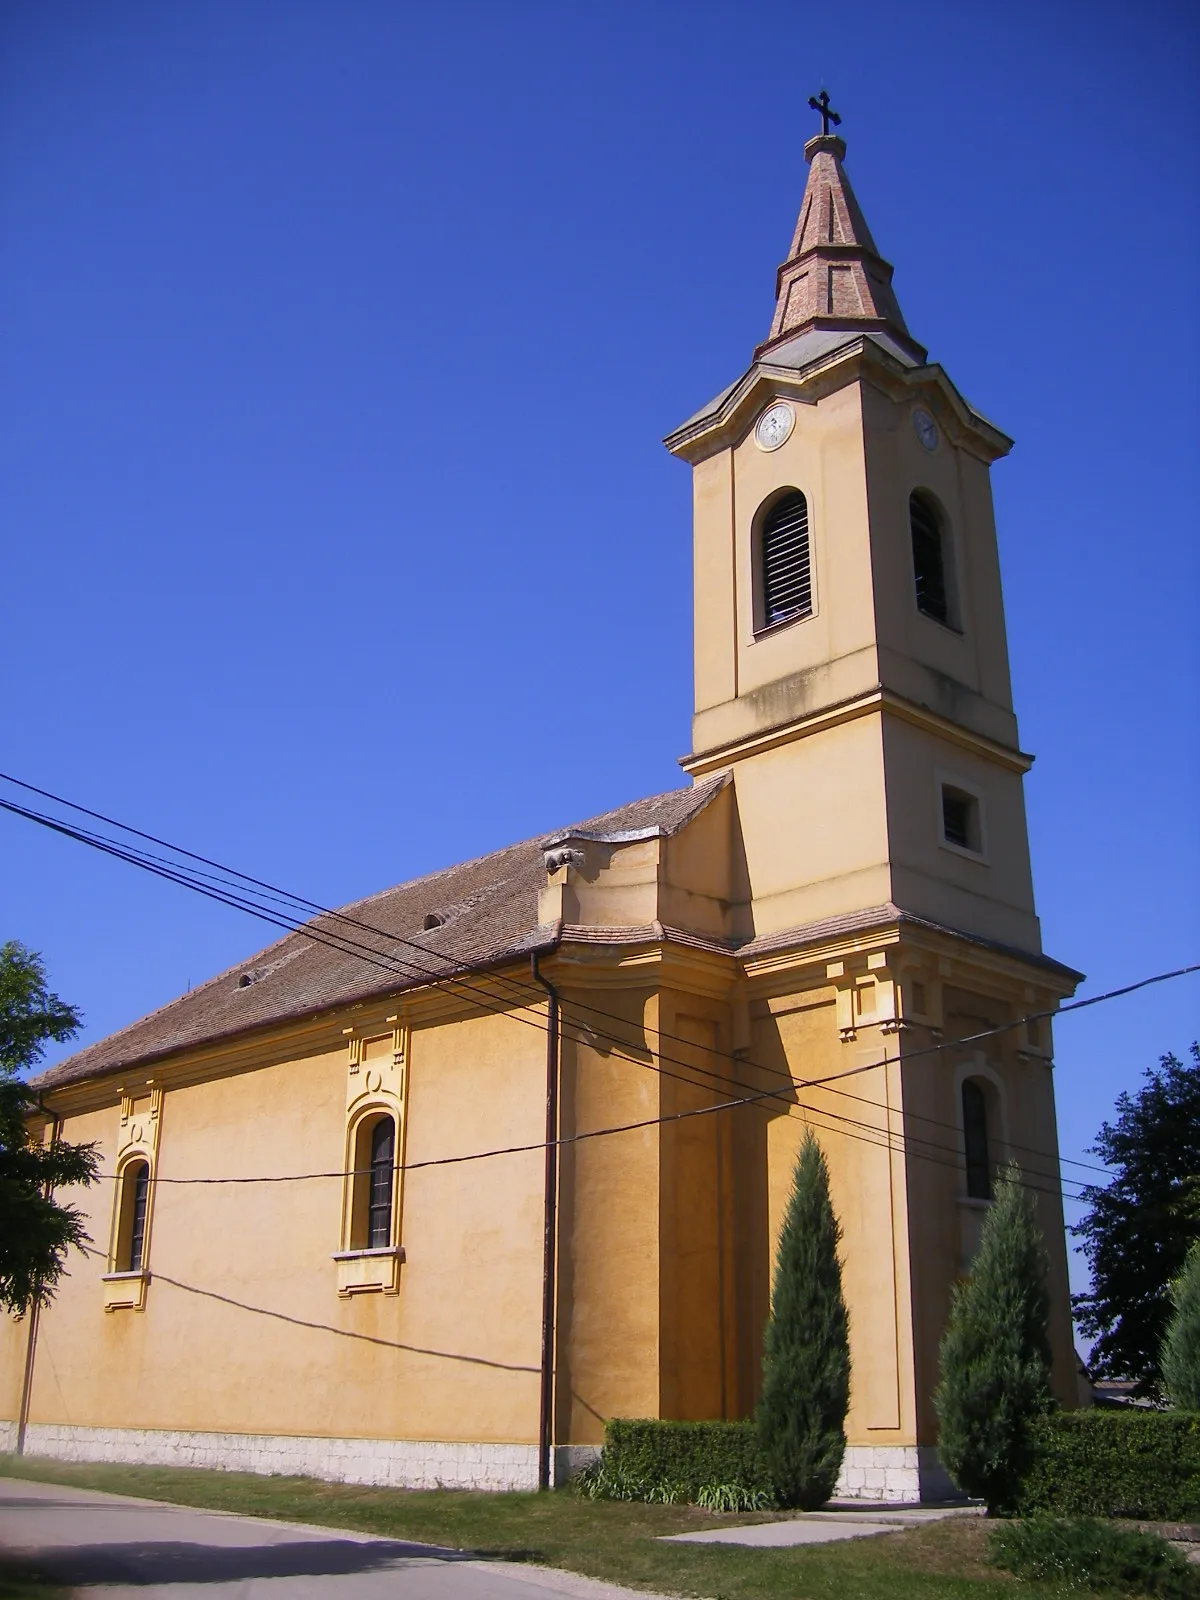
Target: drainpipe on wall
x,y
546,1411
34,1316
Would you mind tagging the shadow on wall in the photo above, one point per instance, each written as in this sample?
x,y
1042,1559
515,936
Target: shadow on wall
x,y
704,1193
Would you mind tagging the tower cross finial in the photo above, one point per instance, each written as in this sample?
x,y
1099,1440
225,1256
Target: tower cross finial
x,y
820,102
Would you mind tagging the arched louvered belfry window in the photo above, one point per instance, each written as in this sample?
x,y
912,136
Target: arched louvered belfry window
x,y
929,558
975,1139
379,1204
785,561
135,1200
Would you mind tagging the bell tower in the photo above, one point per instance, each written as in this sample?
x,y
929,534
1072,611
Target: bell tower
x,y
851,666
852,685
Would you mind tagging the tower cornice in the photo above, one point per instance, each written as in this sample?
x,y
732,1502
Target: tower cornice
x,y
818,362
879,702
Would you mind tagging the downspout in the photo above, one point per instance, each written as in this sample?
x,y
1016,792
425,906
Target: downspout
x,y
546,1409
35,1310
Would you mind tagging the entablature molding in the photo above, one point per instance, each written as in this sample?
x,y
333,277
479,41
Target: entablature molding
x,y
896,950
878,702
893,977
859,359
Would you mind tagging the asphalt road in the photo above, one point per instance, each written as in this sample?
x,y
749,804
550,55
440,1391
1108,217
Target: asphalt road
x,y
126,1549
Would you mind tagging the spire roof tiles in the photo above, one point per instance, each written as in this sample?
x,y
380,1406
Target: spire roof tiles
x,y
834,276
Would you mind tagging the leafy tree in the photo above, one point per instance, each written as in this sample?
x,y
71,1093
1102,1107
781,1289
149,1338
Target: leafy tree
x,y
1181,1347
36,1231
806,1361
1138,1229
995,1353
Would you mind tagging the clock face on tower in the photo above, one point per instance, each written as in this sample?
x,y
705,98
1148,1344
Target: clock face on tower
x,y
926,429
774,426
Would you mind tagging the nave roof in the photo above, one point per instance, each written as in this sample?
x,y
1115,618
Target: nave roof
x,y
490,911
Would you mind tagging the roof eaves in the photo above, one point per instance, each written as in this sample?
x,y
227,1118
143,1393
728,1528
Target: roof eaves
x,y
542,937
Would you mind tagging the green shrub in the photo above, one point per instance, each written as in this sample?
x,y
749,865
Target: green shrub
x,y
1086,1554
1181,1347
1139,1464
733,1497
600,1480
806,1345
995,1353
676,1461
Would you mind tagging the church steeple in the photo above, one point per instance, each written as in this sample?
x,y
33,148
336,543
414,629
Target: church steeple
x,y
834,277
851,665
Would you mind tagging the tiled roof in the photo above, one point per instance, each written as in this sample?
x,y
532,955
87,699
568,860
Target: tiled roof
x,y
834,276
489,907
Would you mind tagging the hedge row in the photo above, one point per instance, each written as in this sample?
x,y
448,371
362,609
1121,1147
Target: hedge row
x,y
1140,1464
686,1455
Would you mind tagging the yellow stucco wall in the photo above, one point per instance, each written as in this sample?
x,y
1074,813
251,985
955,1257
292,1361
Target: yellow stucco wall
x,y
243,1329
666,1232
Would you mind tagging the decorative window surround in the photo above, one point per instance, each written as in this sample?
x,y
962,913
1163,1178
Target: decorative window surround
x,y
138,1137
125,1290
366,1271
376,1086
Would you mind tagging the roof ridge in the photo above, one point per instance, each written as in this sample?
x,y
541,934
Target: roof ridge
x,y
190,1018
547,837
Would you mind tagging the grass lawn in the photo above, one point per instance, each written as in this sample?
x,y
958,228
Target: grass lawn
x,y
602,1539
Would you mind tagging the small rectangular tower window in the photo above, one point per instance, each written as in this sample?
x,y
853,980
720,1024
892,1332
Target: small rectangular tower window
x,y
961,825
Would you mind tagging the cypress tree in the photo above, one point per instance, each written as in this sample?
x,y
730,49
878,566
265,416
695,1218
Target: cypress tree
x,y
806,1361
1181,1347
995,1353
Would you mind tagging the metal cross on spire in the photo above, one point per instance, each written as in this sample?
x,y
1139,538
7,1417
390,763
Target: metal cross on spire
x,y
820,102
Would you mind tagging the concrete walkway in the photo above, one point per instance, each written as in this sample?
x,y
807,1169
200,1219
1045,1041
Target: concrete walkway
x,y
826,1527
124,1549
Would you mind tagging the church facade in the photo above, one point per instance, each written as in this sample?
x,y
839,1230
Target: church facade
x,y
426,1192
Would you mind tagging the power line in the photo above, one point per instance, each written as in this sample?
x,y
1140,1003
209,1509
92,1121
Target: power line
x,y
283,896
878,1137
222,887
538,1146
224,890
343,945
873,1132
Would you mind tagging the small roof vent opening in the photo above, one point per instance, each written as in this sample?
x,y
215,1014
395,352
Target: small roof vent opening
x,y
246,979
433,919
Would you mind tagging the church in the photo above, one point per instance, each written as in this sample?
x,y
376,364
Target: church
x,y
431,1188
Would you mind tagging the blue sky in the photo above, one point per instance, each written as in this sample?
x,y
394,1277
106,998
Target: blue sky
x,y
339,341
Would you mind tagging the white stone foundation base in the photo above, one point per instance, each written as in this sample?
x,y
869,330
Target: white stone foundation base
x,y
900,1474
392,1463
897,1474
570,1460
